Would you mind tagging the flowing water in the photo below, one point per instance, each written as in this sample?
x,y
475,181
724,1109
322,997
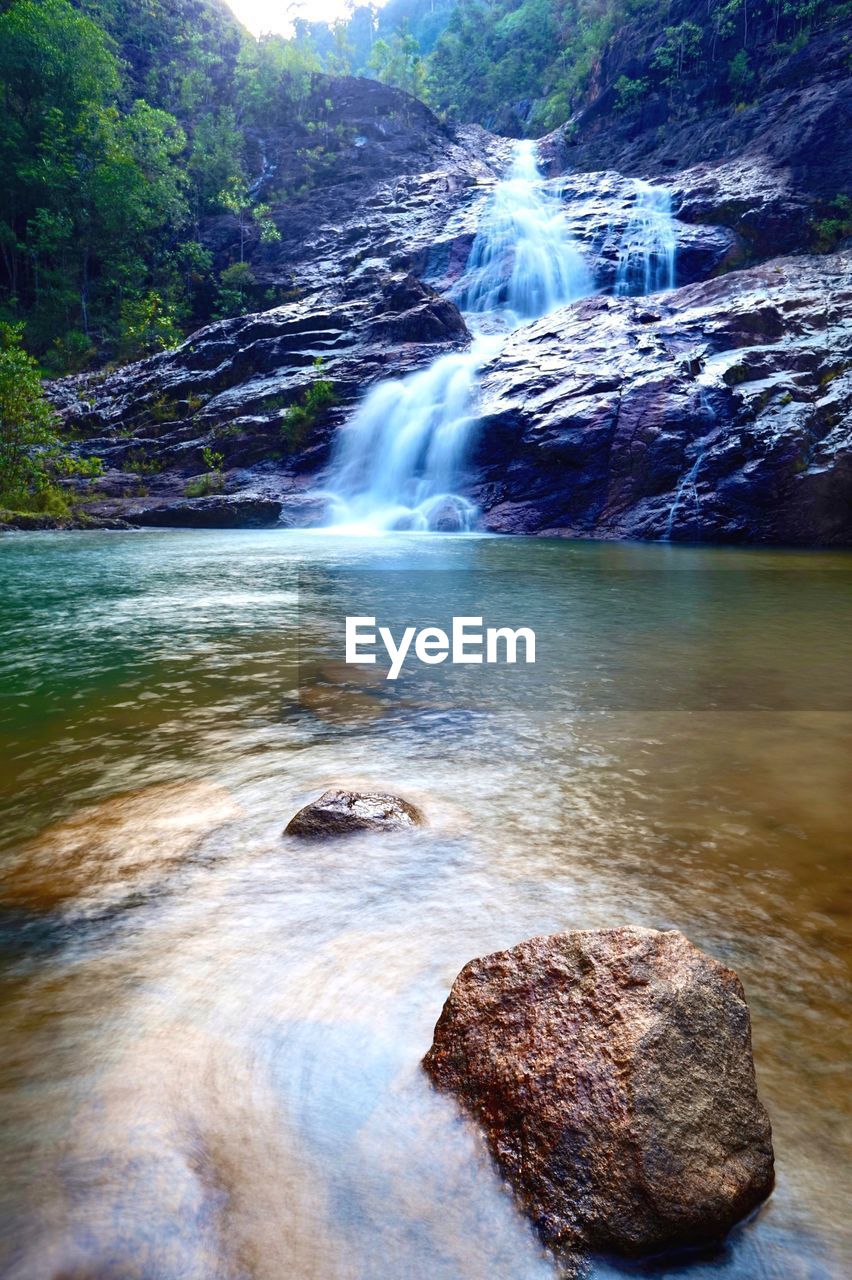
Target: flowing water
x,y
212,1032
686,504
398,460
523,261
648,251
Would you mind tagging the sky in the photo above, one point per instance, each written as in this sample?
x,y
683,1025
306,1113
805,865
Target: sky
x,y
277,15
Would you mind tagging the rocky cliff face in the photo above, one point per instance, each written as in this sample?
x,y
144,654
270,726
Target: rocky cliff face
x,y
720,412
345,257
717,411
792,126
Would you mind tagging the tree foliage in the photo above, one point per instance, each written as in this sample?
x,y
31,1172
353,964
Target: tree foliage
x,y
525,65
31,456
397,61
128,125
124,126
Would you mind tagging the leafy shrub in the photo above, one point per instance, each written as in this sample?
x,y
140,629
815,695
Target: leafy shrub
x,y
235,292
32,458
678,51
141,462
201,486
70,353
828,232
741,78
163,409
303,415
212,460
148,324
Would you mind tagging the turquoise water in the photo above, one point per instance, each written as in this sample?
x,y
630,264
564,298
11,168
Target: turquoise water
x,y
212,1033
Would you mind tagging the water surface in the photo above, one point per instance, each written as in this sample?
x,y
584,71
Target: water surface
x,y
212,1032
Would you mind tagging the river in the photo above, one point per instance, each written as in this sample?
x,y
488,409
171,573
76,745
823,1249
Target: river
x,y
212,1031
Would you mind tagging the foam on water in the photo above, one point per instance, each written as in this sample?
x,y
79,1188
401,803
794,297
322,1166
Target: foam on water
x,y
399,456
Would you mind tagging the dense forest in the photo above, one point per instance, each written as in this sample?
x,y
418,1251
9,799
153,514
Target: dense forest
x,y
122,131
523,66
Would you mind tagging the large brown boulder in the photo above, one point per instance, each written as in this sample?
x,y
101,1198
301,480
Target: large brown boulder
x,y
612,1073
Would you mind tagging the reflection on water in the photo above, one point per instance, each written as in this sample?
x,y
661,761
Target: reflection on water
x,y
212,1032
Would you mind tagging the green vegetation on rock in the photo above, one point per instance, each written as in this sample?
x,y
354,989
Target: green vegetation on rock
x,y
299,418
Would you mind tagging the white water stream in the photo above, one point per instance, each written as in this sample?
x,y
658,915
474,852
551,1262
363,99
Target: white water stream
x,y
397,461
646,258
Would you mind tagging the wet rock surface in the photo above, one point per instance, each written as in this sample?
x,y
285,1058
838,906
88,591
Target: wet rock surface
x,y
346,260
338,813
717,412
611,418
611,1072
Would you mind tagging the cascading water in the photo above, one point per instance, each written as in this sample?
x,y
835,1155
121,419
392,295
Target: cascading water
x,y
397,460
523,262
646,257
687,499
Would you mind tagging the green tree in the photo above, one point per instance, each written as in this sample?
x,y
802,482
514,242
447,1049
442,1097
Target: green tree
x,y
148,324
93,193
273,79
27,423
54,66
235,198
340,60
629,94
262,217
215,159
236,290
740,75
677,52
31,455
398,62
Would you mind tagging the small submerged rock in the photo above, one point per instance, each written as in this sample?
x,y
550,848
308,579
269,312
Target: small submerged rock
x,y
612,1073
337,813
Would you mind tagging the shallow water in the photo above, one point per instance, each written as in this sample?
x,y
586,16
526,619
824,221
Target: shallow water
x,y
212,1033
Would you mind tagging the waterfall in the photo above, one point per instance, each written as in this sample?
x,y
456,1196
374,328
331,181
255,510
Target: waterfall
x,y
646,256
397,460
688,486
523,262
